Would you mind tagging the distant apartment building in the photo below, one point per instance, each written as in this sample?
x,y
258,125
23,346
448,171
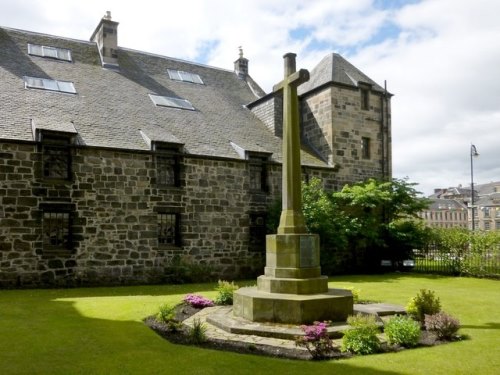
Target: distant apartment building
x,y
452,208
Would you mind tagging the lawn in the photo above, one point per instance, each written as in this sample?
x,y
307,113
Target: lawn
x,y
100,331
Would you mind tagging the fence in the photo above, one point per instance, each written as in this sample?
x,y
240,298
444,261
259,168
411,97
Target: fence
x,y
433,260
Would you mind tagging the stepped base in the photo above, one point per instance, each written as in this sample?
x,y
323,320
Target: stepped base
x,y
259,306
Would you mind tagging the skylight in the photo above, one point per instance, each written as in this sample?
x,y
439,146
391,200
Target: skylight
x,y
179,75
52,52
49,84
165,101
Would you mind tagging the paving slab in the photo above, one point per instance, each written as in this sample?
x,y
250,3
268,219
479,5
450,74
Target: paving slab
x,y
221,324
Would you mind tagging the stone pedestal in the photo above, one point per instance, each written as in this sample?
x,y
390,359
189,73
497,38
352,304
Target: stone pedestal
x,y
292,289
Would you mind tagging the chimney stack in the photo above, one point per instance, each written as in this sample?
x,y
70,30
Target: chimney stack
x,y
106,37
241,66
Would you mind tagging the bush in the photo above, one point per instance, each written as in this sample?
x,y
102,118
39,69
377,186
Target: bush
x,y
444,325
198,332
225,291
198,301
166,315
402,330
362,337
316,340
425,302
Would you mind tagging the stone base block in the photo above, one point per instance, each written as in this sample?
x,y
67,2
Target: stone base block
x,y
258,306
292,286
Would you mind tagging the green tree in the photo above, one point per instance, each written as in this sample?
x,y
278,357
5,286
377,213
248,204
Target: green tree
x,y
362,223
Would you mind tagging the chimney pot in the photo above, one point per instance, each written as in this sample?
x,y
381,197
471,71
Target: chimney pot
x,y
241,65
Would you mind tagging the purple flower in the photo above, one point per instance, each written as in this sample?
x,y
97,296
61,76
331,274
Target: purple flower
x,y
198,301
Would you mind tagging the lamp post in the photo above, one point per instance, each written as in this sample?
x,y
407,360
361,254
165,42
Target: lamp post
x,y
473,154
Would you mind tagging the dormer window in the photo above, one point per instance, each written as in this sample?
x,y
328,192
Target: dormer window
x,y
168,160
165,101
258,172
49,84
56,157
51,52
179,75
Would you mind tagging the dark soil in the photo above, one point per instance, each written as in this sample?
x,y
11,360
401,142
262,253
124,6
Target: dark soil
x,y
181,337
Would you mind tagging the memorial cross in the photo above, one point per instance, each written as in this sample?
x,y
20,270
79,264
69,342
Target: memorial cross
x,y
291,220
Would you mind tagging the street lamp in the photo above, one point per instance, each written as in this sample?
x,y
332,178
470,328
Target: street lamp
x,y
473,154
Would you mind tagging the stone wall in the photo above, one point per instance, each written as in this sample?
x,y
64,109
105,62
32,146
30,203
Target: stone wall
x,y
334,123
114,203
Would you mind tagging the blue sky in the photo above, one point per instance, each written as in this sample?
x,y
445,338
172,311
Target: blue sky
x,y
440,58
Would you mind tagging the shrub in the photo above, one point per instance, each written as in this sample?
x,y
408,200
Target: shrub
x,y
198,301
444,325
316,340
198,332
361,338
425,302
225,291
166,315
402,330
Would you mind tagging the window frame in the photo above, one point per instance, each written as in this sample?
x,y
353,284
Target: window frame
x,y
182,76
171,102
53,210
59,143
58,55
177,239
164,152
365,148
365,98
53,85
257,163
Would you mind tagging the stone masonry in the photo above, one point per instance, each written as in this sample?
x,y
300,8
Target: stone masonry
x,y
114,201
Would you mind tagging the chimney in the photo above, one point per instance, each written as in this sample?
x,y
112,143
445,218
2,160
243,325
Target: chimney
x,y
241,66
106,37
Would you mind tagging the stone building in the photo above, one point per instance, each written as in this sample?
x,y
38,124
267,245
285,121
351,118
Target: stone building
x,y
451,207
114,163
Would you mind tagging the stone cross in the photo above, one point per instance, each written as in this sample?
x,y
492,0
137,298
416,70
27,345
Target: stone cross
x,y
291,220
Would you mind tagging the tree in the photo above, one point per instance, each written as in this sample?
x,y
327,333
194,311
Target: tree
x,y
363,223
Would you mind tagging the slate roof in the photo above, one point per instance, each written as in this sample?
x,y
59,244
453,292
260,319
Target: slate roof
x,y
446,204
112,107
334,68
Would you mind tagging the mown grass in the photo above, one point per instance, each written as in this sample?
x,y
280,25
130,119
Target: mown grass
x,y
100,331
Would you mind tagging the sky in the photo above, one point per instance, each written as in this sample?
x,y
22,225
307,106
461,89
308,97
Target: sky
x,y
440,58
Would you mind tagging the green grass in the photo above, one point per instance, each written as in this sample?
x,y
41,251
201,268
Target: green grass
x,y
100,331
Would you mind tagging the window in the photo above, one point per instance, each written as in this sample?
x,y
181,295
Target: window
x,y
56,227
497,225
487,225
179,75
365,99
56,157
365,148
167,164
49,84
52,52
168,229
257,232
258,173
165,101
487,211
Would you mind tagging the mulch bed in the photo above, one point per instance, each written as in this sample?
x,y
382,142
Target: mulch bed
x,y
181,337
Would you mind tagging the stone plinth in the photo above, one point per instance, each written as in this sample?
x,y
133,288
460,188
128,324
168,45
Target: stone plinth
x,y
259,306
292,289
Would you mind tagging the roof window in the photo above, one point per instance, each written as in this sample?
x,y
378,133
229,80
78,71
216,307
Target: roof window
x,y
165,101
52,52
49,84
179,75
